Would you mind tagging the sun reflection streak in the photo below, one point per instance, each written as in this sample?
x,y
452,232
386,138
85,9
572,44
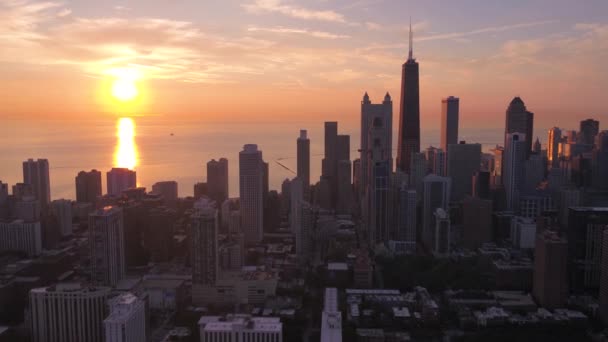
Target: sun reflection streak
x,y
126,155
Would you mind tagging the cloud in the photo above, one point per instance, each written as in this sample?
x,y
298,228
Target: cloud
x,y
492,29
64,12
277,6
287,30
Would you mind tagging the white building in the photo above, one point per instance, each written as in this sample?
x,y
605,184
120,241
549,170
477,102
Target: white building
x,y
523,232
240,328
21,236
68,313
62,208
331,321
127,319
251,188
106,236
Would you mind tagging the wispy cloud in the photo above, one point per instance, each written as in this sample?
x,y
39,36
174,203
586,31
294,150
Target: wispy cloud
x,y
64,12
277,6
453,35
287,30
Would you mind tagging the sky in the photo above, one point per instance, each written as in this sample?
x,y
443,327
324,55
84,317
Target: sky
x,y
297,60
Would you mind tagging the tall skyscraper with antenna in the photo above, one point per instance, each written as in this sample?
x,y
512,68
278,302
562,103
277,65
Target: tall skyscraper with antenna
x,y
409,111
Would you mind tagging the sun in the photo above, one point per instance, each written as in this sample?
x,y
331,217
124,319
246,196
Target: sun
x,y
124,85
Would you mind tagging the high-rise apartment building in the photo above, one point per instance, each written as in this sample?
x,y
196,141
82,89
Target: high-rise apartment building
x,y
303,158
20,236
217,180
68,313
120,179
550,286
36,173
62,209
463,161
88,186
127,319
204,223
106,237
251,193
588,131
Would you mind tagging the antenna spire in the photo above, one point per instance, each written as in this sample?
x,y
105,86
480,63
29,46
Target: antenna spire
x,y
411,51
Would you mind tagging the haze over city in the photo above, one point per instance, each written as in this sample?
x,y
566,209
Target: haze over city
x,y
314,171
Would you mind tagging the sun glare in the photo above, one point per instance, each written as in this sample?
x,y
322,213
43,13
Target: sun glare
x,y
126,150
124,86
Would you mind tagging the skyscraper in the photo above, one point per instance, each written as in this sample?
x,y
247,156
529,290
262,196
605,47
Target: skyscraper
x,y
449,122
303,168
217,180
120,179
204,237
520,120
88,186
550,286
604,279
106,236
251,193
62,209
443,232
36,173
477,222
463,161
168,189
588,131
409,112
380,115
407,218
68,313
127,319
513,168
554,139
436,195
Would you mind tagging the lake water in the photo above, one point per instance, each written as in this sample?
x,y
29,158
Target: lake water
x,y
75,145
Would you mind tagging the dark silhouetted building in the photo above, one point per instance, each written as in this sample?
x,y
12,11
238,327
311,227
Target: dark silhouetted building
x,y
251,189
550,286
303,150
200,190
588,131
167,189
513,168
88,186
477,222
449,122
463,161
204,238
36,173
409,112
217,180
120,179
106,236
481,184
520,120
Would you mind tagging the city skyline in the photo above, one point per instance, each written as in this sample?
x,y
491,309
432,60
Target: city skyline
x,y
184,70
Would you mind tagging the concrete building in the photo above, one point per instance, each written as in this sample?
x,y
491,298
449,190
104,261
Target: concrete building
x,y
62,209
331,318
120,179
568,198
449,122
106,237
88,186
204,252
513,168
217,180
550,286
68,313
127,319
21,236
36,173
240,328
463,161
167,189
251,189
247,286
303,158
436,195
407,218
